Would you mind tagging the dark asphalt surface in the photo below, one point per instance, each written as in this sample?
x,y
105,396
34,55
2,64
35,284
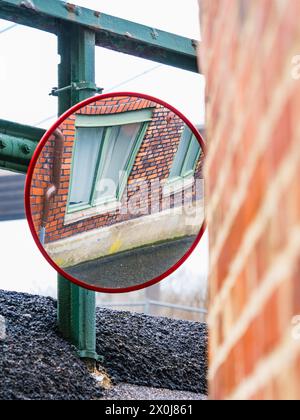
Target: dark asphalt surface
x,y
12,197
36,363
133,267
142,393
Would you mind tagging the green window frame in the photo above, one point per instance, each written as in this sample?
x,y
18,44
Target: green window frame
x,y
189,151
106,124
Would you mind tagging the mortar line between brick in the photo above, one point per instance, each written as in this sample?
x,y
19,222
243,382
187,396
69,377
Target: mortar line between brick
x,y
285,173
268,43
275,276
282,93
219,20
224,171
268,368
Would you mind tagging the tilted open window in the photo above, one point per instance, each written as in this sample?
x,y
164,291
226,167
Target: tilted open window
x,y
105,150
185,162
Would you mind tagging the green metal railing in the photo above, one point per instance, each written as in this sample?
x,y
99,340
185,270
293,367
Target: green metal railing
x,y
79,31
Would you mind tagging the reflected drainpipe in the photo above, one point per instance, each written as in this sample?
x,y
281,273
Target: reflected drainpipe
x,y
54,180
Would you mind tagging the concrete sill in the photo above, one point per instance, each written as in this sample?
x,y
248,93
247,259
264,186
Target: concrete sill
x,y
92,212
175,187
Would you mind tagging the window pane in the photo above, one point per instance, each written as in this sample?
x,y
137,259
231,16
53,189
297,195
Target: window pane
x,y
120,144
193,152
181,153
88,142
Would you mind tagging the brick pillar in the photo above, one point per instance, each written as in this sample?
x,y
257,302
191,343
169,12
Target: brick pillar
x,y
252,172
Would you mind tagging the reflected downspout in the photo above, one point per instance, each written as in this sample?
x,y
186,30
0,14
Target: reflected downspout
x,y
54,180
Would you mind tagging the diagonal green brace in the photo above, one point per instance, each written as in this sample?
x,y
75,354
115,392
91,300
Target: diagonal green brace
x,y
17,144
76,306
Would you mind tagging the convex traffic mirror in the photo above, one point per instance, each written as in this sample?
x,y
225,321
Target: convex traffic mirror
x,y
114,193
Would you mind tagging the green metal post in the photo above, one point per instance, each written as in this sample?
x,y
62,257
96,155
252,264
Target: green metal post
x,y
76,306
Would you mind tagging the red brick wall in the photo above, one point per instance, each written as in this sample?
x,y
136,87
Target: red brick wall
x,y
253,196
153,163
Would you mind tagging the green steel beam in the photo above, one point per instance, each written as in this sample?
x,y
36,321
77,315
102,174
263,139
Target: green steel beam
x,y
15,149
110,32
76,306
21,130
13,167
17,144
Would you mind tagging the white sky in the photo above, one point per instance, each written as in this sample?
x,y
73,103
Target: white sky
x,y
28,71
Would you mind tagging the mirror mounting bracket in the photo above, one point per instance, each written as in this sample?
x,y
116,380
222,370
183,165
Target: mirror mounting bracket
x,y
76,86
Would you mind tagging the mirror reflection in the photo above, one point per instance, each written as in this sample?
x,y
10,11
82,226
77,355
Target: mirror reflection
x,y
117,192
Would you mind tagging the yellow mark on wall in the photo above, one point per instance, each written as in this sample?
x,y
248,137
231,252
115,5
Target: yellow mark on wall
x,y
116,246
61,262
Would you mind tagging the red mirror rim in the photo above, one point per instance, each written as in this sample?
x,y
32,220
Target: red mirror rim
x,y
29,176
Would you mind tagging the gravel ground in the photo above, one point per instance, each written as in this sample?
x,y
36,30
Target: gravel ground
x,y
152,351
142,393
36,363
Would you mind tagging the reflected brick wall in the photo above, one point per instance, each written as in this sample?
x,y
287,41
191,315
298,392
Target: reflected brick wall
x,y
253,196
153,163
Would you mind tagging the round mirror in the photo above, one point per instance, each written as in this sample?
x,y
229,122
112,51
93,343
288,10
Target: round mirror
x,y
115,192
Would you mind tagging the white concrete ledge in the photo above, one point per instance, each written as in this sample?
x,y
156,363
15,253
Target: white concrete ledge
x,y
146,230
